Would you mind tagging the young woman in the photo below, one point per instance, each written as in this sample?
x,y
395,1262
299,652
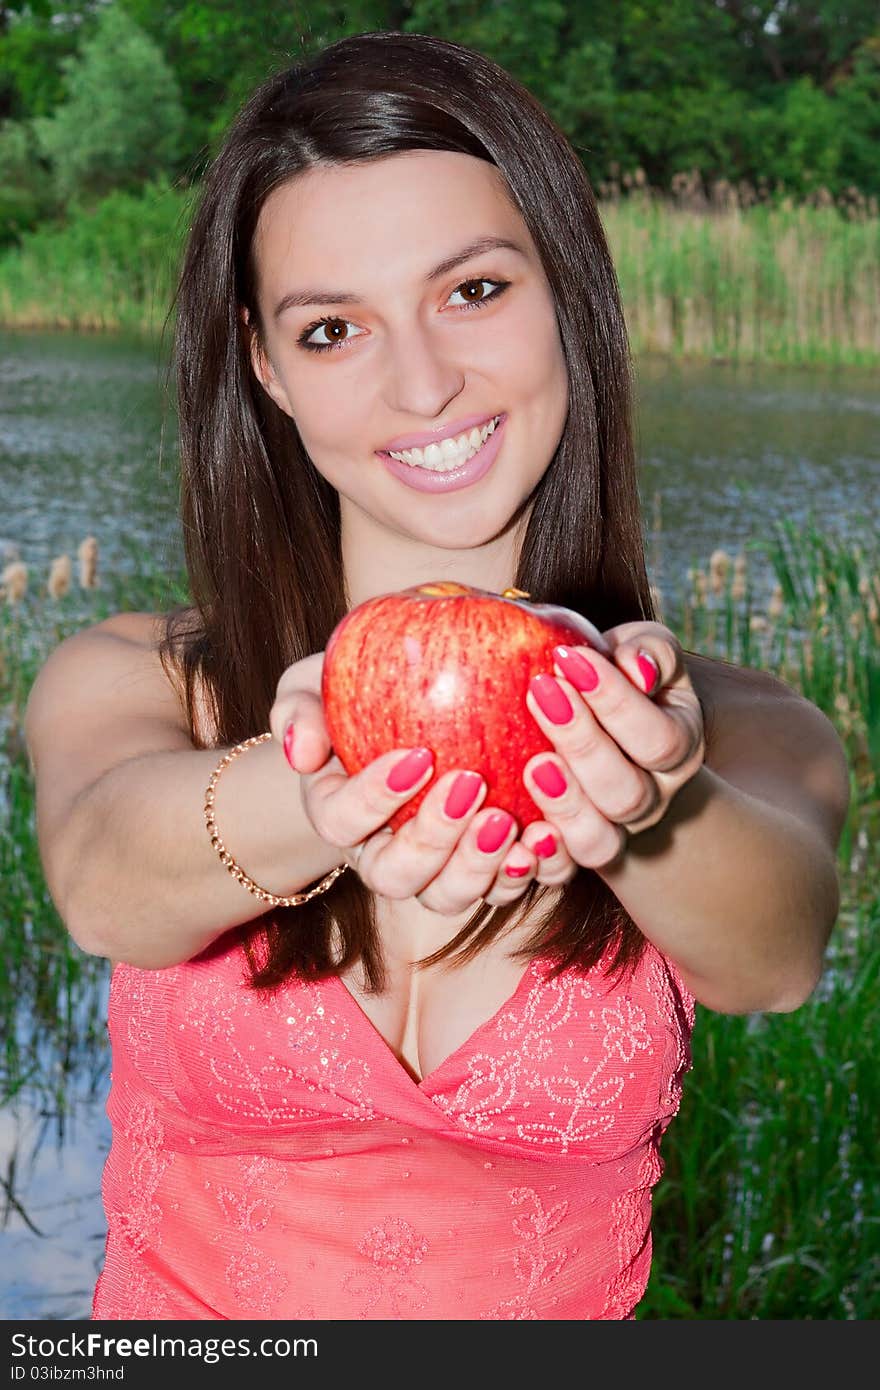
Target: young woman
x,y
420,1074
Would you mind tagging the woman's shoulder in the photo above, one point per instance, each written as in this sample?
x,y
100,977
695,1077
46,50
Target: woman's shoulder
x,y
147,632
723,682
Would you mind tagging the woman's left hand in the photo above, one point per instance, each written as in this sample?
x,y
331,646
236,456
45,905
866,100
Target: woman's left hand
x,y
627,737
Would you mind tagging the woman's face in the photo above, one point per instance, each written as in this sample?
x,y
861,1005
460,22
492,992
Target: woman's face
x,y
394,343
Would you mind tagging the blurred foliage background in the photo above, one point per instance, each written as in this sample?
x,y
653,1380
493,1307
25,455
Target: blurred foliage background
x,y
775,97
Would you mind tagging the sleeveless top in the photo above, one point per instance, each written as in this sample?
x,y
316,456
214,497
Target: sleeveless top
x,y
271,1157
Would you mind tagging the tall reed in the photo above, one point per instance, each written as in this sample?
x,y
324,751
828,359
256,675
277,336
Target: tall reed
x,y
765,283
700,279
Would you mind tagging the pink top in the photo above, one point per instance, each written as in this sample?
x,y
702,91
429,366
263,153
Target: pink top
x,y
271,1158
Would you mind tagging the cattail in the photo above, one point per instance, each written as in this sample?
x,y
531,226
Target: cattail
x,y
774,607
719,564
758,623
14,580
88,563
842,706
657,600
855,622
59,577
701,585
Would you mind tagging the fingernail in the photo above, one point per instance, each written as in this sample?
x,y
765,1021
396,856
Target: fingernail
x,y
551,698
649,669
549,779
517,870
544,848
462,794
288,744
409,770
576,668
494,832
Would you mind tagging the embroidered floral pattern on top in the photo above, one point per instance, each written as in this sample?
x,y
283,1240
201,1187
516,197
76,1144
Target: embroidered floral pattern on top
x,y
585,1091
536,1263
514,1182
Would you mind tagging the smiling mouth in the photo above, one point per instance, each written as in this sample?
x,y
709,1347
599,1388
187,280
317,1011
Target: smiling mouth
x,y
450,453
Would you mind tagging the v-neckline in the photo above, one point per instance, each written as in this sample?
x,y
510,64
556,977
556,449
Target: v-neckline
x,y
423,1084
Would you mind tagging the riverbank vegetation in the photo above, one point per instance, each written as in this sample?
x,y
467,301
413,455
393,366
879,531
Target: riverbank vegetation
x,y
760,283
733,150
767,1206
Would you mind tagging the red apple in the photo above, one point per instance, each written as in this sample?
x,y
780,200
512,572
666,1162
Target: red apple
x,y
447,667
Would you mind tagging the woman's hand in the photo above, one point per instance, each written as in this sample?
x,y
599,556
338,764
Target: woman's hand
x,y
452,853
627,737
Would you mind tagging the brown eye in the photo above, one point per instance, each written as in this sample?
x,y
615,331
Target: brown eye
x,y
337,334
473,285
336,329
473,292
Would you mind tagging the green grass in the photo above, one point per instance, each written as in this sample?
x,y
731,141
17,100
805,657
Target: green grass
x,y
768,1206
798,285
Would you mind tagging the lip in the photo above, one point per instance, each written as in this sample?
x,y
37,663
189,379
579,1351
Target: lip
x,y
420,441
423,480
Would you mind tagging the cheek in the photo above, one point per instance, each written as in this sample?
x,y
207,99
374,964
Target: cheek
x,y
325,412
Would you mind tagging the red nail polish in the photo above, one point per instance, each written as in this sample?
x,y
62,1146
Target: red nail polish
x,y
582,673
462,794
495,831
552,699
517,870
549,779
649,669
409,770
288,744
544,848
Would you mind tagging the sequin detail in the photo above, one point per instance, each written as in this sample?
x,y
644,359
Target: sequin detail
x,y
272,1157
539,1258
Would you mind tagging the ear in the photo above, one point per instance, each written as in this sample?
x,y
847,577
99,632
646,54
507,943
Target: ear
x,y
262,366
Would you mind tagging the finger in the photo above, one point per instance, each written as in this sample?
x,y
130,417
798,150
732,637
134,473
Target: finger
x,y
513,877
554,864
617,788
403,864
297,723
346,809
590,838
471,871
656,733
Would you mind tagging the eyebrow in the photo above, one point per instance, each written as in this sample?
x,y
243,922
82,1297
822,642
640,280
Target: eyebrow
x,y
301,298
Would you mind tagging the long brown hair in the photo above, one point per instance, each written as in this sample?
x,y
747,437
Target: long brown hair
x,y
261,526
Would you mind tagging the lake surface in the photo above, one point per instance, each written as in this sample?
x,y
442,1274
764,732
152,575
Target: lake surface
x,y
727,450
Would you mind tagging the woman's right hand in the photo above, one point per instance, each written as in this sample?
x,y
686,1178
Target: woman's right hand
x,y
448,861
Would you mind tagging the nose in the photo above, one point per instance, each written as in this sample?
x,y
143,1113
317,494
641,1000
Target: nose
x,y
422,376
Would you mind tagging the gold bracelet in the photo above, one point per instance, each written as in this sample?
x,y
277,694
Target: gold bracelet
x,y
271,899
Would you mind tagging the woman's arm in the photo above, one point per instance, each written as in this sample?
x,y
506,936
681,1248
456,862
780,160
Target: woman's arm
x,y
738,882
120,796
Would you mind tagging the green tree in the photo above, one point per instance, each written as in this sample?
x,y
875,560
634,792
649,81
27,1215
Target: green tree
x,y
35,38
122,119
26,194
857,99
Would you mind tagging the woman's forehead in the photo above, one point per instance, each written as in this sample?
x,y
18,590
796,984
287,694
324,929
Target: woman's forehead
x,y
402,212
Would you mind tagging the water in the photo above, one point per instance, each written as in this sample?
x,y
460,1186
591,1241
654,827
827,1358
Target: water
x,y
728,449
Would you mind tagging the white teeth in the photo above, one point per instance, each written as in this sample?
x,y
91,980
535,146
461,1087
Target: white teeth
x,y
450,453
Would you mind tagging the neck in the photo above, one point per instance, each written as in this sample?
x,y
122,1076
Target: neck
x,y
378,561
